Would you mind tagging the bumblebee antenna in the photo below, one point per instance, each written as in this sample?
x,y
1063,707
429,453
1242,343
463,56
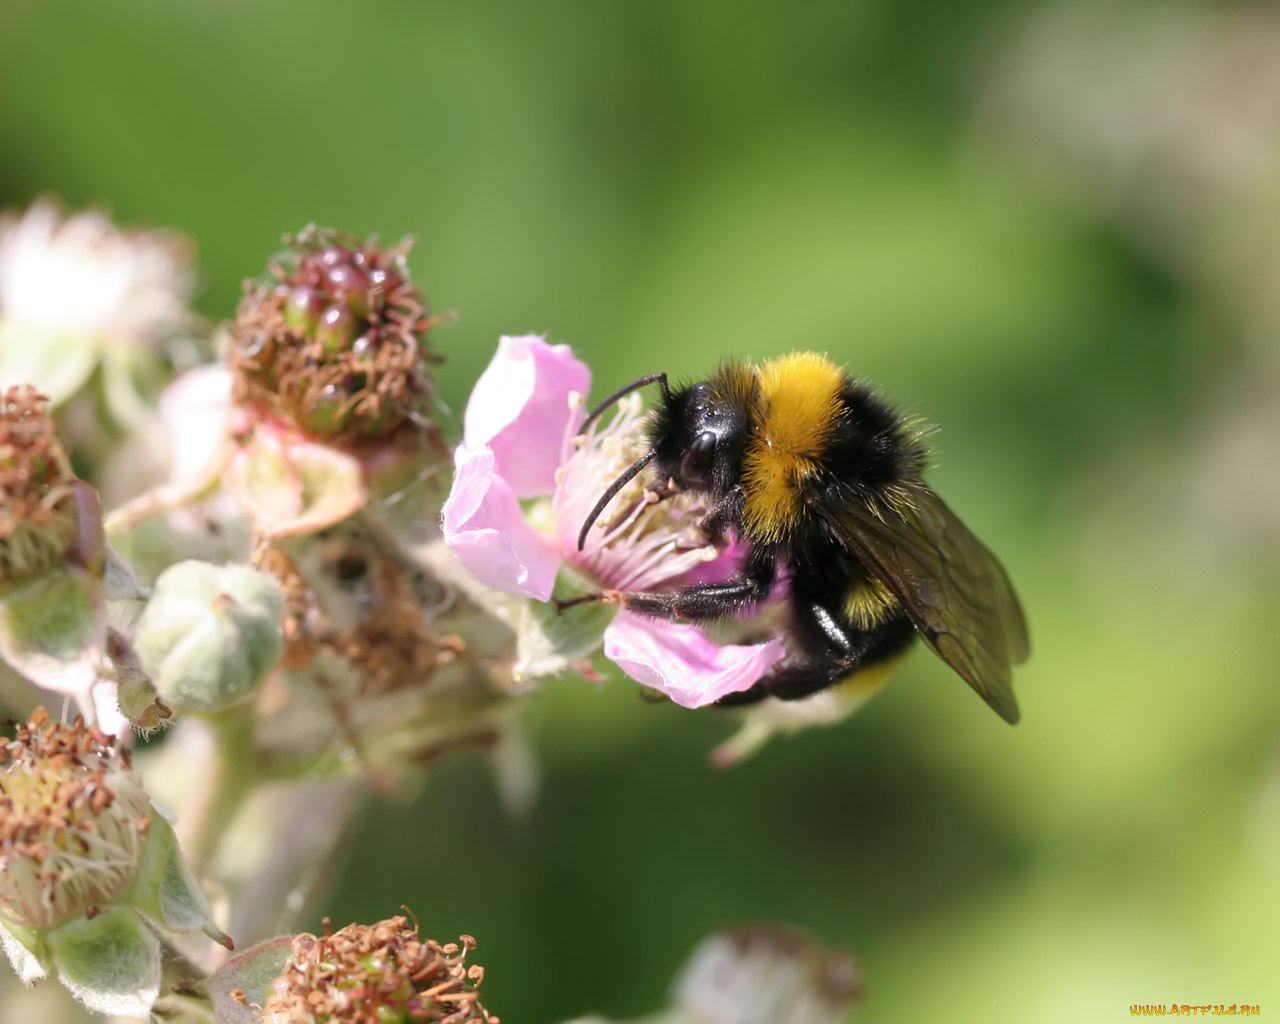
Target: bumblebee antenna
x,y
614,488
635,385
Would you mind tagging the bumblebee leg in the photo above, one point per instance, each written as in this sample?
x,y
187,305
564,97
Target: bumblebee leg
x,y
794,682
565,603
701,602
705,600
725,511
851,652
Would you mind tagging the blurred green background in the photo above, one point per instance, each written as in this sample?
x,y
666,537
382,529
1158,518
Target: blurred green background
x,y
1050,230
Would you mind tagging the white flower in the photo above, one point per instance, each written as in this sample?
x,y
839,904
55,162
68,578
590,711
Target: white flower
x,y
766,975
75,290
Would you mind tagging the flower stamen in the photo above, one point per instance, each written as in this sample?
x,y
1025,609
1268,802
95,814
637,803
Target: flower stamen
x,y
39,513
73,824
370,974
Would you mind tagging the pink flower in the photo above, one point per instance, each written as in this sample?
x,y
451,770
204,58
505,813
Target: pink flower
x,y
485,528
520,441
639,543
520,410
681,662
513,432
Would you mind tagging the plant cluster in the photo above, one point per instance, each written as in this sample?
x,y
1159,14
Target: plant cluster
x,y
312,594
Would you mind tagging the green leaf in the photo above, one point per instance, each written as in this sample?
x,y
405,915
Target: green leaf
x,y
164,890
26,951
549,640
54,628
250,972
110,962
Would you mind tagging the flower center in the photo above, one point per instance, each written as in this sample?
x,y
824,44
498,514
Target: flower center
x,y
72,822
378,974
646,537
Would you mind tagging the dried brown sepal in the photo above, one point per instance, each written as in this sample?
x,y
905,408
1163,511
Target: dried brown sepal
x,y
372,974
390,645
334,340
302,616
39,522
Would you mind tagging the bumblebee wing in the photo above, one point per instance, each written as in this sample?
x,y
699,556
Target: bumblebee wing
x,y
951,586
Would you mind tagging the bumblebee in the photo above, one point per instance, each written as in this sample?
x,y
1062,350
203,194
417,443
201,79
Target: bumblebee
x,y
821,480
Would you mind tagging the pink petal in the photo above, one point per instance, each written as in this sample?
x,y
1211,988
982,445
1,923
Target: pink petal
x,y
681,662
519,409
485,529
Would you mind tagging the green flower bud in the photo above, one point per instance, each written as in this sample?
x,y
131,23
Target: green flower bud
x,y
210,634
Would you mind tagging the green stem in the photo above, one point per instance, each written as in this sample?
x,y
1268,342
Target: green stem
x,y
169,497
236,770
183,999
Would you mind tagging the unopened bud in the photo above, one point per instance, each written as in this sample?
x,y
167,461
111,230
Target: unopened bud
x,y
210,634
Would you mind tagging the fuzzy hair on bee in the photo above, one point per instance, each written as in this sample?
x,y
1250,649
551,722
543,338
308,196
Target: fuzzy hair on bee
x,y
820,478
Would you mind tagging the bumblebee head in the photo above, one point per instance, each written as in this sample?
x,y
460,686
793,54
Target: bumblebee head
x,y
696,438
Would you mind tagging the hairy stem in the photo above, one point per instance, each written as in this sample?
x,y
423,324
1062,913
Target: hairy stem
x,y
234,771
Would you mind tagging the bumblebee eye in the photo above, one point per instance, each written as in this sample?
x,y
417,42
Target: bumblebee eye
x,y
695,467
